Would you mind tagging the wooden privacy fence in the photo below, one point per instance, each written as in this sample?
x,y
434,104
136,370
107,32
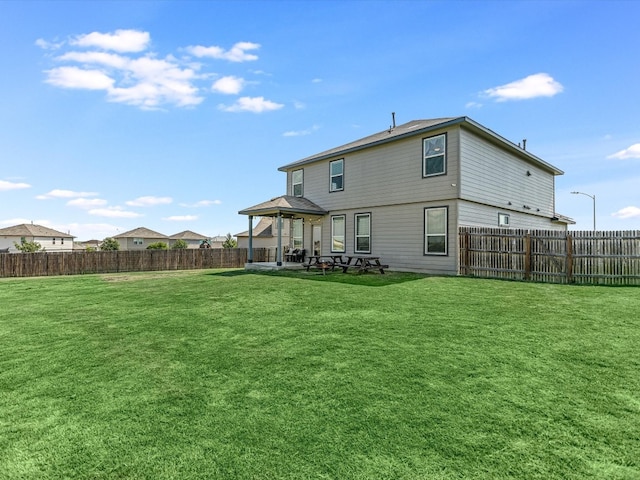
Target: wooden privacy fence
x,y
583,257
76,263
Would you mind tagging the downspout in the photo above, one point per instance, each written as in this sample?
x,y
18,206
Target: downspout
x,y
250,252
279,256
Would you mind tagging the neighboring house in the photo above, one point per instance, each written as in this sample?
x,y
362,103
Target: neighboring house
x,y
94,244
193,239
49,239
265,234
402,193
139,239
217,241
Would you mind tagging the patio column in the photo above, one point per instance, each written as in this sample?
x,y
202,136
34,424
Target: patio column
x,y
279,256
250,252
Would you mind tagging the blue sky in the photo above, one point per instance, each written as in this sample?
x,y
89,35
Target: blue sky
x,y
175,115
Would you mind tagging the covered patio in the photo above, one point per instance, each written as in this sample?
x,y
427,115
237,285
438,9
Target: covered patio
x,y
285,206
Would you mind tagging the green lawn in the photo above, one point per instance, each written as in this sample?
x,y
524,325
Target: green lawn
x,y
227,374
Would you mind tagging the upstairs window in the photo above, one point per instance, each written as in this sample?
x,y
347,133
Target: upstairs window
x,y
435,231
336,175
363,233
296,183
434,161
337,233
138,241
54,240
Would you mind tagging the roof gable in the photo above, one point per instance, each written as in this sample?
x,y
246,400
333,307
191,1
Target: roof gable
x,y
141,232
188,235
31,230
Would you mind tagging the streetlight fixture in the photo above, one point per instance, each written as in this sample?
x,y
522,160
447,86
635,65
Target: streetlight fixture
x,y
593,197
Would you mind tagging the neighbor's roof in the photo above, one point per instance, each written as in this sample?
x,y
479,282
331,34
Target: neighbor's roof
x,y
188,235
421,127
31,230
264,228
285,205
141,232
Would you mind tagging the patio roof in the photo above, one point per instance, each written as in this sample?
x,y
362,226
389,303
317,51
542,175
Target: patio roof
x,y
286,206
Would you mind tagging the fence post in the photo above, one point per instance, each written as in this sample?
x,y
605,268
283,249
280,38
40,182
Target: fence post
x,y
569,258
527,256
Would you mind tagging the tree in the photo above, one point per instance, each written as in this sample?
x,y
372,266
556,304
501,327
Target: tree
x,y
229,242
28,247
109,244
180,245
157,246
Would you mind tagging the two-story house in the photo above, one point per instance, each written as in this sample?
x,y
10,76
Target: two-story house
x,y
50,240
402,193
140,238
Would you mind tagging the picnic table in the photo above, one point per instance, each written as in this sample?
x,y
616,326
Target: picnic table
x,y
362,264
323,262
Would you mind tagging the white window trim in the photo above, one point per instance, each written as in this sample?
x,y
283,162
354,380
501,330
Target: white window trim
x,y
357,235
333,235
294,184
331,189
501,220
293,231
446,231
425,157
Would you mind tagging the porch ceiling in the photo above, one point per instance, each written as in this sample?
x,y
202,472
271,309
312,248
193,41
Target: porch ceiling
x,y
286,206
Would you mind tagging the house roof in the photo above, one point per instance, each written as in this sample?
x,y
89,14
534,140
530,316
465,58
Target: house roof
x,y
141,232
285,205
557,218
264,228
188,235
421,127
31,230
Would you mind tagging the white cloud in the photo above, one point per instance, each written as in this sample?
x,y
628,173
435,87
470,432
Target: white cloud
x,y
4,185
632,152
237,53
538,85
14,221
181,218
74,77
627,212
42,43
107,59
112,62
251,104
473,105
201,203
299,105
86,202
228,85
120,41
114,212
57,193
299,133
149,201
316,80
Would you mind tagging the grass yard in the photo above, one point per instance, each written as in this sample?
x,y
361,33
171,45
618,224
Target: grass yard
x,y
226,374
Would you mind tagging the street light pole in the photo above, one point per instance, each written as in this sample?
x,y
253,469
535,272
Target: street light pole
x,y
593,197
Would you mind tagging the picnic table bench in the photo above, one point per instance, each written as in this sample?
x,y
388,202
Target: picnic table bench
x,y
362,264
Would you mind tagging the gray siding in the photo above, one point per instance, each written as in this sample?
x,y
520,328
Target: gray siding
x,y
479,215
384,175
492,176
397,237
